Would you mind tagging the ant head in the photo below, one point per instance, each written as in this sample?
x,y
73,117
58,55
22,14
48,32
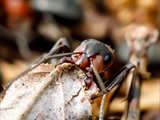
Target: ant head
x,y
101,54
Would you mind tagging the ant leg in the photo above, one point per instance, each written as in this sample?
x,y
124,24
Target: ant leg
x,y
111,99
111,83
26,70
54,50
102,107
61,44
62,55
121,75
132,106
119,78
61,41
99,79
101,84
43,60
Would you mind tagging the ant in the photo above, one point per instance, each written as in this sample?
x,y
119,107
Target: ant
x,y
95,58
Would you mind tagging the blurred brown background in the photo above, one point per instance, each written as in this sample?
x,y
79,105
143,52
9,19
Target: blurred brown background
x,y
28,28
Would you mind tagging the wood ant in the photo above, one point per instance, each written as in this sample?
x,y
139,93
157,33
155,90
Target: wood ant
x,y
95,58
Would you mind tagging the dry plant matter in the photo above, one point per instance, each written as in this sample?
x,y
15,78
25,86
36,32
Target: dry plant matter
x,y
49,92
139,39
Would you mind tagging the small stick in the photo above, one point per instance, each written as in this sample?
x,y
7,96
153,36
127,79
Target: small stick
x,y
138,38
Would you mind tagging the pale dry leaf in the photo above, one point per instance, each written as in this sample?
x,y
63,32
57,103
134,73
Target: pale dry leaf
x,y
49,92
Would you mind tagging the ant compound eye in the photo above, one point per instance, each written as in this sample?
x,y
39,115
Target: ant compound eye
x,y
107,59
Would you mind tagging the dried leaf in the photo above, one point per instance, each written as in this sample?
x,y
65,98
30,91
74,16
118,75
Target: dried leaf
x,y
49,92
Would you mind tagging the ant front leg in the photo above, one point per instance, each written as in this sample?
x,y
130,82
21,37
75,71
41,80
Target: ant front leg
x,y
120,77
61,44
101,84
99,79
111,83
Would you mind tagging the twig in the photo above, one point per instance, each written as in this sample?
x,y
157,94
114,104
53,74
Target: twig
x,y
138,38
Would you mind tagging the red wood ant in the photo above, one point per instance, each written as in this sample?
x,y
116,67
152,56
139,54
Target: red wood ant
x,y
95,58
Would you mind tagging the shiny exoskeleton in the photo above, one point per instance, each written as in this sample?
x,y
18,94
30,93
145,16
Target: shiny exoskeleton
x,y
95,58
93,50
